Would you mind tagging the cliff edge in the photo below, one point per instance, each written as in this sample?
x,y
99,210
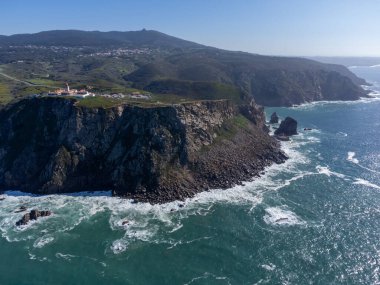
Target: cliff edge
x,y
155,154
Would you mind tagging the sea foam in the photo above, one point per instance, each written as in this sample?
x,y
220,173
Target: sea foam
x,y
280,216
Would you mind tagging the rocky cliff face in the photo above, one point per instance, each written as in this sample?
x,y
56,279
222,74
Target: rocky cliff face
x,y
280,88
157,154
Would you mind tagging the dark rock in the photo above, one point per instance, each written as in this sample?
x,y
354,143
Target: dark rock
x,y
282,138
273,118
33,215
2,198
307,129
24,220
288,127
126,222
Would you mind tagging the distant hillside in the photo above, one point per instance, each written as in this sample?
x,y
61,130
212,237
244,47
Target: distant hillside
x,y
159,63
272,81
349,61
75,38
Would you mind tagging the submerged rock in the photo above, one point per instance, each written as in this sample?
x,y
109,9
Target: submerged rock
x,y
273,118
21,209
33,215
288,127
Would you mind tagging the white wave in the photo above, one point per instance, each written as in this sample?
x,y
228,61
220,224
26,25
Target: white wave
x,y
351,157
326,171
64,256
365,183
374,96
374,66
269,267
41,242
206,276
342,134
279,216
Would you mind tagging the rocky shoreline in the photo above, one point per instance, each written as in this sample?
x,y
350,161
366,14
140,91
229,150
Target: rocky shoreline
x,y
154,154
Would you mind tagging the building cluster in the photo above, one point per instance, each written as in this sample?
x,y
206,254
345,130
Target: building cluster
x,y
118,52
83,93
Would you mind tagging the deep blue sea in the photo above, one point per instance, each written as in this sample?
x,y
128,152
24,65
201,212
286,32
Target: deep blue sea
x,y
313,220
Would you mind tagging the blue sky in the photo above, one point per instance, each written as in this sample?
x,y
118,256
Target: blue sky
x,y
274,27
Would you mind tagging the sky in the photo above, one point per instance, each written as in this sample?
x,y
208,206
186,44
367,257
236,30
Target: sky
x,y
270,27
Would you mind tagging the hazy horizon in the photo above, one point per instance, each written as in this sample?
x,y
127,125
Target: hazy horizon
x,y
274,27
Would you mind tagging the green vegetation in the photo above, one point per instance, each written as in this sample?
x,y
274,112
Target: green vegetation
x,y
196,90
5,94
46,82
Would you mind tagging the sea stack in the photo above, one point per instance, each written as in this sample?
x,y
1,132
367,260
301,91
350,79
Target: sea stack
x,y
273,118
288,127
33,215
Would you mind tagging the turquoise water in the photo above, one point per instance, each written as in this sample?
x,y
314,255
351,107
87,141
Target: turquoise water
x,y
313,220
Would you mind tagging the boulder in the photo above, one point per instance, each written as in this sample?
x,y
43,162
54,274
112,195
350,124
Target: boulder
x,y
273,118
288,127
33,215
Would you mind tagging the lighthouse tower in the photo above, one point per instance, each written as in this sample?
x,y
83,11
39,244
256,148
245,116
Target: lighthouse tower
x,y
67,87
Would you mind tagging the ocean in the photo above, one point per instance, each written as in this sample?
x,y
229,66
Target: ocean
x,y
312,220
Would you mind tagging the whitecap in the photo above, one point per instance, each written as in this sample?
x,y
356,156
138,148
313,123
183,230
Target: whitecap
x,y
269,267
279,216
351,157
326,171
119,246
42,241
64,256
365,183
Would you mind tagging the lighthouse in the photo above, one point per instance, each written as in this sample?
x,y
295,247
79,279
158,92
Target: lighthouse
x,y
67,87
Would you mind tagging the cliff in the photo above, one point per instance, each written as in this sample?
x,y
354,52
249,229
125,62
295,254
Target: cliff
x,y
156,154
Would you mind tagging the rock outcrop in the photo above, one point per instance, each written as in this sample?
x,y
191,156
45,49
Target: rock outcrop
x,y
156,153
288,127
33,215
274,118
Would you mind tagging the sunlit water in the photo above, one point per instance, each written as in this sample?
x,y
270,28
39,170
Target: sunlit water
x,y
313,220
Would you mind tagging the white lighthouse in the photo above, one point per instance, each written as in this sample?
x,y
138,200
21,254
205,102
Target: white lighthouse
x,y
67,87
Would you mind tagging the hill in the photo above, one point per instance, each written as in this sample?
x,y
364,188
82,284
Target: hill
x,y
159,63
